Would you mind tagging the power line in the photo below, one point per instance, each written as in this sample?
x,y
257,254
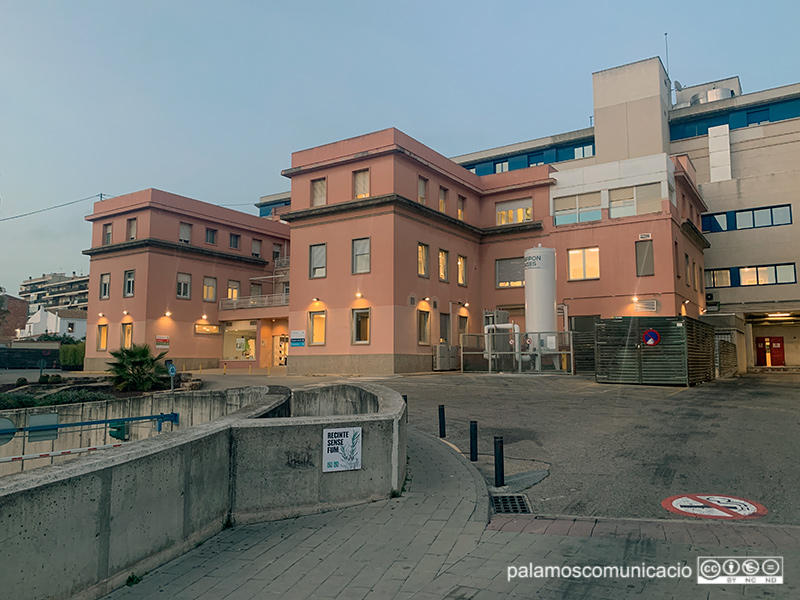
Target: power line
x,y
41,210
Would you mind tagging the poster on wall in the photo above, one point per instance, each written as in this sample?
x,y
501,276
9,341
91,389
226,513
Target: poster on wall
x,y
162,341
240,344
298,338
341,449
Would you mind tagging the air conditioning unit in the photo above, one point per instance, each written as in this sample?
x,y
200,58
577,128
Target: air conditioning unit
x,y
712,301
712,296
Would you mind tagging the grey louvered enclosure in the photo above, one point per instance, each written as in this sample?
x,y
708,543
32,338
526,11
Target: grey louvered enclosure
x,y
654,351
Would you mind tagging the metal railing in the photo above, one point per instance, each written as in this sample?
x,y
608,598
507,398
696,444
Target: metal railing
x,y
282,262
517,352
254,301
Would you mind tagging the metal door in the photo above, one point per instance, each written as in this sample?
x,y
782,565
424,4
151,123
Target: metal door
x,y
776,355
761,351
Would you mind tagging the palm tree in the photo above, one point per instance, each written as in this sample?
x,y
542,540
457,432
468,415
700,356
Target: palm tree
x,y
136,369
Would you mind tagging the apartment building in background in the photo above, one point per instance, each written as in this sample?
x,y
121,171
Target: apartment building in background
x,y
13,313
56,290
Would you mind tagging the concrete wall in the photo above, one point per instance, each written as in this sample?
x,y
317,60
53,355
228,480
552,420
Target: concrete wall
x,y
80,529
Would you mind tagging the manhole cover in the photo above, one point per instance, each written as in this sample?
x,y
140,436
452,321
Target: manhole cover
x,y
511,504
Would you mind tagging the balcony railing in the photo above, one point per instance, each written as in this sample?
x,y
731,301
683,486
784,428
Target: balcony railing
x,y
254,301
282,262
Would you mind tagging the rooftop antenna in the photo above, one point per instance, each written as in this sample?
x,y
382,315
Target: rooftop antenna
x,y
666,45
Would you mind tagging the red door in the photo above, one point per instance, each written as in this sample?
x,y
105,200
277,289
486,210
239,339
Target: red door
x,y
761,352
777,358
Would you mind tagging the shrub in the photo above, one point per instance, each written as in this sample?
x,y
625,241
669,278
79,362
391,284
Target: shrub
x,y
55,378
44,378
72,355
136,369
21,381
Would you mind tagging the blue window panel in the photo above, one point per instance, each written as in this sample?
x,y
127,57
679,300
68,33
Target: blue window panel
x,y
518,162
535,158
549,156
731,220
706,223
755,117
738,119
784,110
735,282
565,153
484,168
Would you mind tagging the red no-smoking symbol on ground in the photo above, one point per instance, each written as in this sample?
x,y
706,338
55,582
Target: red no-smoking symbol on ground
x,y
708,506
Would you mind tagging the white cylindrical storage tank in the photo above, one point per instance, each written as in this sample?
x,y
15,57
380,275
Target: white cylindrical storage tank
x,y
540,290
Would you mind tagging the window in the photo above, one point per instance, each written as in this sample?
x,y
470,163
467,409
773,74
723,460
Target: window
x,y
442,199
276,251
256,249
686,269
319,190
422,260
785,273
513,211
316,321
105,286
233,290
131,229
235,241
716,278
360,317
770,216
361,184
317,261
462,326
184,285
211,236
70,327
444,260
509,272
360,258
501,167
756,117
127,335
422,189
107,234
462,270
630,201
423,327
255,289
744,219
584,151
694,275
127,289
577,209
644,259
460,214
714,223
584,263
444,328
185,233
102,337
209,289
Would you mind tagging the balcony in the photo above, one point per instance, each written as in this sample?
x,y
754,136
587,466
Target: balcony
x,y
282,262
254,301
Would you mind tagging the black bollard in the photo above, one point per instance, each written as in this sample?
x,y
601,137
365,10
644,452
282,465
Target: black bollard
x,y
499,471
473,441
405,399
441,421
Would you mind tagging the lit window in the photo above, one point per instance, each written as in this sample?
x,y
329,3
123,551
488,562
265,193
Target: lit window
x,y
256,250
442,199
233,290
584,263
184,285
444,260
317,261
361,184
235,241
131,229
361,256
316,322
422,260
423,327
644,259
105,286
460,213
462,270
210,289
509,272
102,337
319,190
211,236
422,189
185,233
513,211
127,289
107,234
360,326
127,335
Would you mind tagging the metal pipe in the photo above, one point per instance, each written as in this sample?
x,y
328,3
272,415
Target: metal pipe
x,y
441,421
473,441
405,399
499,471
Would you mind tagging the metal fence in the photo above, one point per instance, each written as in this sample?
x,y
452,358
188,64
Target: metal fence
x,y
254,301
517,352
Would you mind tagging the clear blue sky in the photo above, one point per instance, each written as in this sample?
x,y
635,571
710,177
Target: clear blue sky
x,y
209,99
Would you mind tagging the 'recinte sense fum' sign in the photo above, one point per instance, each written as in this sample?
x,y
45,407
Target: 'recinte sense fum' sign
x,y
341,449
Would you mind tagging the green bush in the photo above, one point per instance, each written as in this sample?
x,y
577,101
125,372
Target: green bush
x,y
21,381
72,355
9,401
55,378
137,369
44,378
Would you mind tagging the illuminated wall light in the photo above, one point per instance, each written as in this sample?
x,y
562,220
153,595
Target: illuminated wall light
x,y
358,294
686,301
779,315
167,314
205,316
427,298
466,304
636,298
124,312
315,299
100,315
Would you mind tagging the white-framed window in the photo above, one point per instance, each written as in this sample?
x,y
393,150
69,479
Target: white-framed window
x,y
645,265
256,250
444,265
423,327
513,211
105,286
233,289
316,327
131,229
361,183
442,199
460,209
211,235
107,231
184,286
638,200
577,209
102,337
509,272
583,263
236,240
423,261
317,261
584,151
127,286
209,289
501,166
361,255
185,233
422,189
360,320
319,191
127,335
462,270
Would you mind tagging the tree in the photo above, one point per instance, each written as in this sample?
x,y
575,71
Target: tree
x,y
136,369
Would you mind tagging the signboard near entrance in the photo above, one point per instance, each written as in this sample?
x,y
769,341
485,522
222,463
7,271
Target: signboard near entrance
x,y
341,449
298,338
162,341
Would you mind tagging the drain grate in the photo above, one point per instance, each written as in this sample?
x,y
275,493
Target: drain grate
x,y
511,504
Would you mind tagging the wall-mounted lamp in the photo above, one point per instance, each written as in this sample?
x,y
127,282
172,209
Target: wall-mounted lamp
x,y
167,314
466,304
100,315
124,312
205,316
427,298
315,299
636,298
686,301
358,294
